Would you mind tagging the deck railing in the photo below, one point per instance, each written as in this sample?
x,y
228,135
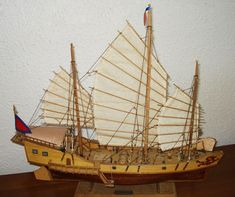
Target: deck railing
x,y
19,139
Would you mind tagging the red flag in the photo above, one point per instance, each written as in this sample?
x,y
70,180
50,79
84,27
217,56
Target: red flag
x,y
21,126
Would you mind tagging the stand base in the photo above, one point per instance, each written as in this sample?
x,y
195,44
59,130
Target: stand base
x,y
89,189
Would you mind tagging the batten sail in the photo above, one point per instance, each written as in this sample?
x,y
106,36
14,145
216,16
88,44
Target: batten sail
x,y
174,121
58,104
120,88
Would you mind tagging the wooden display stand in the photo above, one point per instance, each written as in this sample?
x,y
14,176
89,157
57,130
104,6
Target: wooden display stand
x,y
89,189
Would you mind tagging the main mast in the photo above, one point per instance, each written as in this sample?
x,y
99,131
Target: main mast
x,y
194,97
149,67
75,93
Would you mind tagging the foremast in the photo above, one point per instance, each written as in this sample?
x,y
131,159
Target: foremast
x,y
149,67
75,93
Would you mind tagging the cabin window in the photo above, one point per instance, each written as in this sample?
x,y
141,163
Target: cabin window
x,y
164,167
44,153
114,167
35,151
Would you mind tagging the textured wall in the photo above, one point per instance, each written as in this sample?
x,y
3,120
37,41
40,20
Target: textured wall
x,y
35,38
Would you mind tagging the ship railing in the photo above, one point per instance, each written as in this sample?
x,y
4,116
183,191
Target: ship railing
x,y
19,138
41,141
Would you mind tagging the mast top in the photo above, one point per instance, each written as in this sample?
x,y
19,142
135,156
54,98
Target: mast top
x,y
72,53
14,109
196,69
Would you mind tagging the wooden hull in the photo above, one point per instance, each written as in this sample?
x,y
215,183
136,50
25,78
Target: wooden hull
x,y
135,179
71,166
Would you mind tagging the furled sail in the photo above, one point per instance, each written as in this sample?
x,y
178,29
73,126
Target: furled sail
x,y
120,88
174,121
58,103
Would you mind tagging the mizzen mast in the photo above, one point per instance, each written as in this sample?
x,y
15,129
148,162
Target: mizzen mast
x,y
149,67
194,102
75,93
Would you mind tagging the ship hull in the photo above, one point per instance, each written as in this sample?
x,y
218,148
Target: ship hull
x,y
135,179
71,166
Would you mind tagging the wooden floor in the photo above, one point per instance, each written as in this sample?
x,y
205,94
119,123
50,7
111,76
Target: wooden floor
x,y
219,183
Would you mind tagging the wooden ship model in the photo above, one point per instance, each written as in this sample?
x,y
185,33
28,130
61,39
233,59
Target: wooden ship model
x,y
127,129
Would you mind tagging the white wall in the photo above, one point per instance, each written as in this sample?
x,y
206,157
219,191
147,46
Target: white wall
x,y
35,37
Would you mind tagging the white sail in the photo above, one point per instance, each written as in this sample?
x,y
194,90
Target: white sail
x,y
120,88
58,105
174,121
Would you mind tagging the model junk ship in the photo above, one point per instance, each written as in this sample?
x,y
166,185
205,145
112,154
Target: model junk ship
x,y
127,129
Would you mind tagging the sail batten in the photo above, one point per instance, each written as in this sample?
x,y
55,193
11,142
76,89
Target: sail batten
x,y
183,101
110,131
119,110
175,117
72,120
62,112
179,109
69,123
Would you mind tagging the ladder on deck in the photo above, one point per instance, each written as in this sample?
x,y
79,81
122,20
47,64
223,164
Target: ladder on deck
x,y
107,182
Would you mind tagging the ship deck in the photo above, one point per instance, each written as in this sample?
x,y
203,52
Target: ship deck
x,y
116,155
129,156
